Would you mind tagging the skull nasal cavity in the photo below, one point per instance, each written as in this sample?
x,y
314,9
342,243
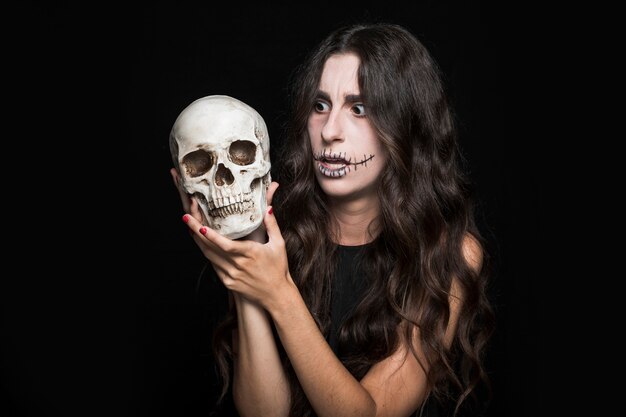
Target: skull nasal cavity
x,y
223,176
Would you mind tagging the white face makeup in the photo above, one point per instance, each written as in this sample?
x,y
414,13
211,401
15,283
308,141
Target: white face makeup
x,y
347,153
221,148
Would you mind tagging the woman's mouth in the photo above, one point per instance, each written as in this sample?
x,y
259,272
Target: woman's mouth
x,y
337,164
333,165
333,170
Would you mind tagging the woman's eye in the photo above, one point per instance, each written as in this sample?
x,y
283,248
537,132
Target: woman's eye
x,y
359,109
320,107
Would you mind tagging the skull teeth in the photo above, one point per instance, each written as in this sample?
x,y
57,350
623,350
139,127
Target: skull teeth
x,y
236,208
222,202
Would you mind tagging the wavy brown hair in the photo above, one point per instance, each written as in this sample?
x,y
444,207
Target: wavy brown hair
x,y
426,214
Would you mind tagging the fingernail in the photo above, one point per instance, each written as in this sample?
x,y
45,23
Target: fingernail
x,y
186,218
203,230
271,210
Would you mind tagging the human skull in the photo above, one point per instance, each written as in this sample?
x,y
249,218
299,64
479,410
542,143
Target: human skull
x,y
220,146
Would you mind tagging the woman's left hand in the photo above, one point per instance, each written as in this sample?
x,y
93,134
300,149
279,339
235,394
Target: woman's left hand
x,y
257,271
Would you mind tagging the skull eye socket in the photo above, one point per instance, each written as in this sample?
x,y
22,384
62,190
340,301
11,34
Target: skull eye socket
x,y
197,163
242,152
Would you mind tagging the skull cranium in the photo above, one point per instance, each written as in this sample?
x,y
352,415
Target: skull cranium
x,y
220,146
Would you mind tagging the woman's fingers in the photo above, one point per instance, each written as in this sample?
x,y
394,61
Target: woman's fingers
x,y
269,195
195,211
212,252
214,240
271,226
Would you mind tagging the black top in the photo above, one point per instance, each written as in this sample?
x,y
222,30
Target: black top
x,y
347,289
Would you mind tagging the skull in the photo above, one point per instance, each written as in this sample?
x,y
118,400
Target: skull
x,y
220,146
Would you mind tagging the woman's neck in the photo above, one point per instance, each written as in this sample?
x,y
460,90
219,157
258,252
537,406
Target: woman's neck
x,y
357,221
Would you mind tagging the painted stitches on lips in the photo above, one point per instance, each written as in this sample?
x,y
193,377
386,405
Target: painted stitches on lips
x,y
337,164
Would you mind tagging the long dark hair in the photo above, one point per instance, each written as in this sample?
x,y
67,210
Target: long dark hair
x,y
426,214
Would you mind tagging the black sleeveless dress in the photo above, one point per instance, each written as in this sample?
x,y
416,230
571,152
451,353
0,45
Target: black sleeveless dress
x,y
348,288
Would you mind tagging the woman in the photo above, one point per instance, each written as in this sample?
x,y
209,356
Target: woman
x,y
368,295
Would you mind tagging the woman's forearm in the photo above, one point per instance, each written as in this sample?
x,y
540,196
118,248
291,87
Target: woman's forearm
x,y
260,386
330,388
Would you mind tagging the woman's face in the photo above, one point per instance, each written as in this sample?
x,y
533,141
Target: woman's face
x,y
347,154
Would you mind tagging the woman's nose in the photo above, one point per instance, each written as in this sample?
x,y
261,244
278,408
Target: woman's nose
x,y
333,129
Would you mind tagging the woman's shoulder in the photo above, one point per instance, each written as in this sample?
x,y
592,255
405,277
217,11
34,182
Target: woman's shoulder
x,y
472,252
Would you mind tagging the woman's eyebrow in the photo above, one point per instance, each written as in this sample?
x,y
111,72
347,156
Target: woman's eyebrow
x,y
353,98
322,95
348,98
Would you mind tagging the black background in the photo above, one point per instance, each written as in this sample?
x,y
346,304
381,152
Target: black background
x,y
128,343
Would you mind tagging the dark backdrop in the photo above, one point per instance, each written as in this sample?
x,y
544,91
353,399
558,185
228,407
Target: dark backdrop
x,y
141,353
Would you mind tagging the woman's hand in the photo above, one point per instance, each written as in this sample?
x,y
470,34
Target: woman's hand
x,y
257,271
249,266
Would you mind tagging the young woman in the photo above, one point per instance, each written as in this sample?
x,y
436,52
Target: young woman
x,y
364,293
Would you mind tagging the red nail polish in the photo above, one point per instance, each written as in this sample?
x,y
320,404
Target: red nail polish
x,y
186,218
271,210
203,230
